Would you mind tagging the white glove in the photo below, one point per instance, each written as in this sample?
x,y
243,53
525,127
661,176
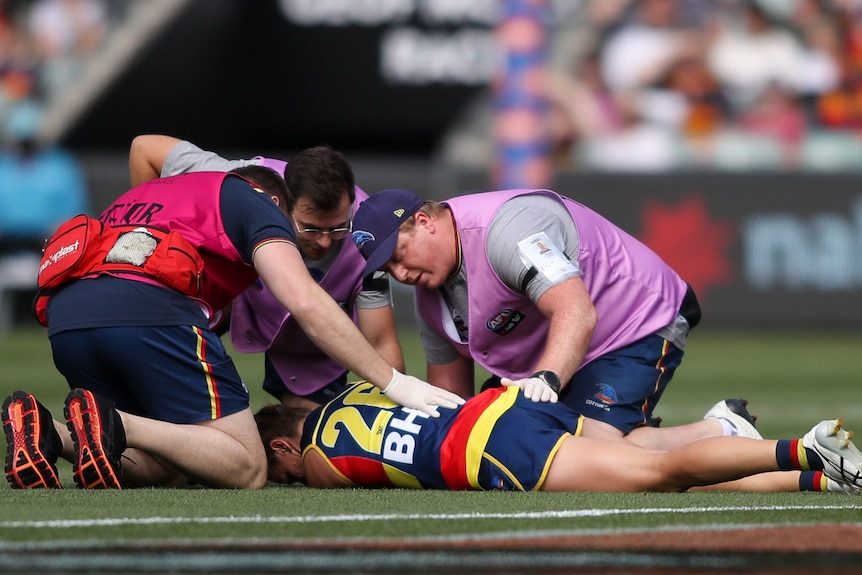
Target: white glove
x,y
412,392
534,388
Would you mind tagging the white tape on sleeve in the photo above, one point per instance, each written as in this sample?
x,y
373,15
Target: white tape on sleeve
x,y
547,258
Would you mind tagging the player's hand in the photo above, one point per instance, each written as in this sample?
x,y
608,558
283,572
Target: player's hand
x,y
412,392
534,389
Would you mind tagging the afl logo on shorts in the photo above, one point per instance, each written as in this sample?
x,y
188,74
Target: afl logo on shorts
x,y
505,321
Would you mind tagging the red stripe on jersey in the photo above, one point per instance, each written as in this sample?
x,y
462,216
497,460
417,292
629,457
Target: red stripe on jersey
x,y
453,450
372,472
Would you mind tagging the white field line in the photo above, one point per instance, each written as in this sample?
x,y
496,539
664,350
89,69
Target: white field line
x,y
566,514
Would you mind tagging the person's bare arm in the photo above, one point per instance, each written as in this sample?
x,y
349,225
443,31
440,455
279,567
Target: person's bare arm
x,y
147,156
573,319
378,327
280,266
572,322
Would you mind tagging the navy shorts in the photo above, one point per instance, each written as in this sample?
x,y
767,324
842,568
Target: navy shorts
x,y
179,374
523,444
623,387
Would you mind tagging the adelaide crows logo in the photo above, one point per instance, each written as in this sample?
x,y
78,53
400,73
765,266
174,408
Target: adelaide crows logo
x,y
606,394
360,237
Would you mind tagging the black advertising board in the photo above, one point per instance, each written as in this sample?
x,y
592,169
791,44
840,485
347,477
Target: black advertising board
x,y
373,76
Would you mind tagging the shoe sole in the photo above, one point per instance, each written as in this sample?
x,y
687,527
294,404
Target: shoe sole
x,y
830,437
26,465
91,468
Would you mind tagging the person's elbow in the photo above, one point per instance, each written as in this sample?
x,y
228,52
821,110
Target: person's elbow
x,y
591,318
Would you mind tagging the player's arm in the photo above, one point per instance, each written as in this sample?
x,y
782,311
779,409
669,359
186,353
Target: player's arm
x,y
456,376
147,156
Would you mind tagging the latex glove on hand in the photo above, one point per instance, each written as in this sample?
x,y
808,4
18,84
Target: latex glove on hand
x,y
412,392
534,389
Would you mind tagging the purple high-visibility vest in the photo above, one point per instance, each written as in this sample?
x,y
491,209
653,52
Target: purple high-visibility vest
x,y
634,292
271,163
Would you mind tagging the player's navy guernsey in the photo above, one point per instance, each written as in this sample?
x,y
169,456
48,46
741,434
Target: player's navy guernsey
x,y
221,214
496,440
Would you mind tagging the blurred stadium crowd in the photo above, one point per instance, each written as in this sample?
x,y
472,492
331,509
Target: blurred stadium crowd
x,y
44,45
659,85
766,84
635,85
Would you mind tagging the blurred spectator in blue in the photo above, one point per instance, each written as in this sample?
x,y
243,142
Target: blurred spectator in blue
x,y
40,187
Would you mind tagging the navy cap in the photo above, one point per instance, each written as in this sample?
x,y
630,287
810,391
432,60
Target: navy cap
x,y
376,222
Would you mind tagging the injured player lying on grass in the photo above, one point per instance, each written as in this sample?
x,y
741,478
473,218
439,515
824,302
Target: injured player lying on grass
x,y
501,440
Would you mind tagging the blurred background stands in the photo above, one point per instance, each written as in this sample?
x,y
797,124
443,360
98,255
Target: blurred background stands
x,y
727,85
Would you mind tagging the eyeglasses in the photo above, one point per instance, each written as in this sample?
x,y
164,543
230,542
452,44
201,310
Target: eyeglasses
x,y
316,233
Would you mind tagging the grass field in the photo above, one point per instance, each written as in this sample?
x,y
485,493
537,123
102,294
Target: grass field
x,y
792,379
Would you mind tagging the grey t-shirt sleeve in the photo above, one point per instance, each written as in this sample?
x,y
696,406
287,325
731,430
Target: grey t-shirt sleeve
x,y
377,294
186,157
438,350
520,218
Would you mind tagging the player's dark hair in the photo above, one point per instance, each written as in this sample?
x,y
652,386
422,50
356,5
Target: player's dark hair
x,y
320,174
277,420
267,180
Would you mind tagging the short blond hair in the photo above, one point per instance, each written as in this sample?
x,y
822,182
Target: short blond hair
x,y
432,209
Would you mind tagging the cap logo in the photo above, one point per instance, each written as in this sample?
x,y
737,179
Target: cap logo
x,y
399,212
361,237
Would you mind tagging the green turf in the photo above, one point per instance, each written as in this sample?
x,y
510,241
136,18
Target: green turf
x,y
297,512
792,380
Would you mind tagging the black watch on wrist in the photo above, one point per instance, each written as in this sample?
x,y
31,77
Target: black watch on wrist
x,y
550,378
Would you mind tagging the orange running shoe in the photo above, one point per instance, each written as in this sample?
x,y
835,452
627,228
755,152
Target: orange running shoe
x,y
99,438
32,443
